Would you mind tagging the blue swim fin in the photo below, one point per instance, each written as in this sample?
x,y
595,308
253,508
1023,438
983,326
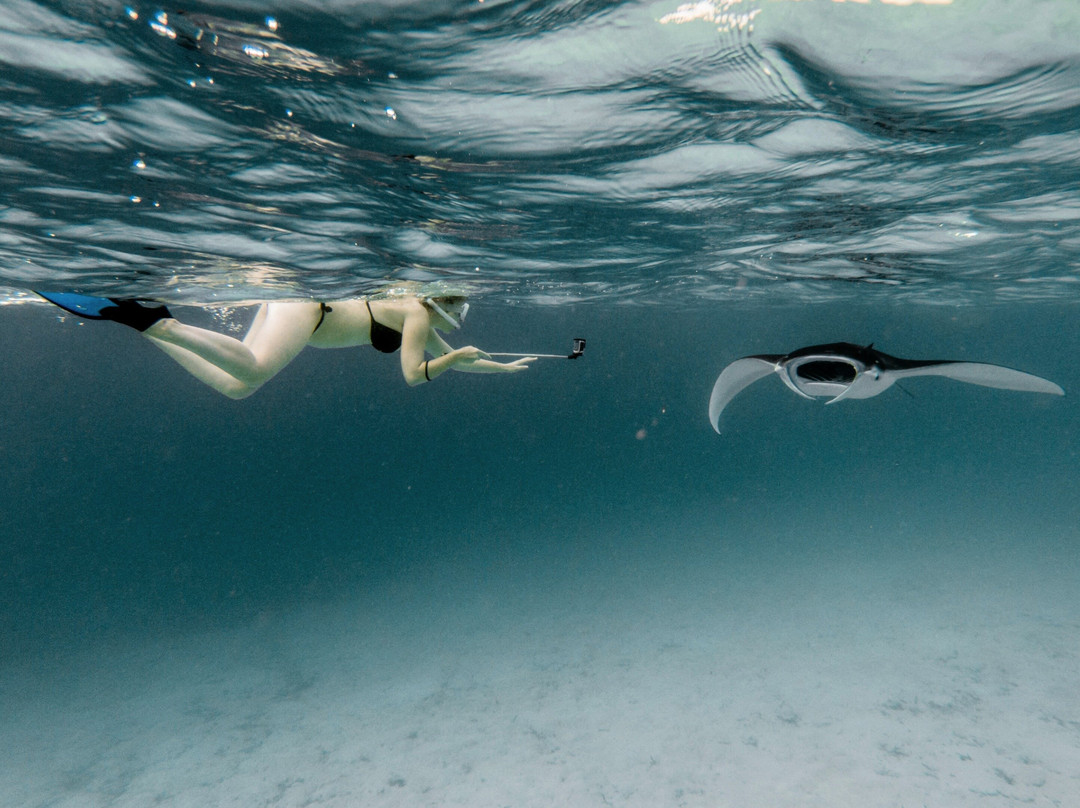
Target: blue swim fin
x,y
126,312
82,305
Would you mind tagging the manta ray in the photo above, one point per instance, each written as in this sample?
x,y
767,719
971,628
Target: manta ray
x,y
842,370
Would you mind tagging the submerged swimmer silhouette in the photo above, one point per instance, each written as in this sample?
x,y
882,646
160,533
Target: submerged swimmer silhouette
x,y
237,368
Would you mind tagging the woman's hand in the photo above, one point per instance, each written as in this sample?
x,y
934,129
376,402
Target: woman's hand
x,y
470,354
472,360
516,365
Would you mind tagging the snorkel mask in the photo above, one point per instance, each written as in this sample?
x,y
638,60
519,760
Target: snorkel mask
x,y
442,312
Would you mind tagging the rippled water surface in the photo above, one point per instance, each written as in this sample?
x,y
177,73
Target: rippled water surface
x,y
650,150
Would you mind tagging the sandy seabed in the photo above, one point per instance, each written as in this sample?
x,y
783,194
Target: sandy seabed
x,y
896,677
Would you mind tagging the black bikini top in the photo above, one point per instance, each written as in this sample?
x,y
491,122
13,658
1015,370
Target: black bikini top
x,y
383,337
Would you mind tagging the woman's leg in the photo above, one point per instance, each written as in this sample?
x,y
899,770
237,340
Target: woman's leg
x,y
236,369
256,324
206,373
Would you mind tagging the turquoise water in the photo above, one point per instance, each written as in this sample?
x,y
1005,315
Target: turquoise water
x,y
557,587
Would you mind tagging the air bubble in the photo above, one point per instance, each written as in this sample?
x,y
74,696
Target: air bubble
x,y
163,30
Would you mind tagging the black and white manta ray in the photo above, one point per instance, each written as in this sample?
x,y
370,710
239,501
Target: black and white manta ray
x,y
841,370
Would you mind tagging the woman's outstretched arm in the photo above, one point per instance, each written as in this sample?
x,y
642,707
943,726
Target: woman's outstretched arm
x,y
418,335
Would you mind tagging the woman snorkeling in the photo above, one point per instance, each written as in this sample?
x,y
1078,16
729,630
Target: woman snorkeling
x,y
405,321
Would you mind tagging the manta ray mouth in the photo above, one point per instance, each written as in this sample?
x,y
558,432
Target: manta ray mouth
x,y
826,371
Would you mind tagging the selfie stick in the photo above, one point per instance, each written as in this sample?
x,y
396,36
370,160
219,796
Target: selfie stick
x,y
579,349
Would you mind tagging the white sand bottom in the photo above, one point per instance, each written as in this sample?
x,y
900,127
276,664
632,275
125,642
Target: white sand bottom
x,y
941,677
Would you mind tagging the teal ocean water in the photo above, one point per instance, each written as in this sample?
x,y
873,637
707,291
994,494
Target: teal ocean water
x,y
558,587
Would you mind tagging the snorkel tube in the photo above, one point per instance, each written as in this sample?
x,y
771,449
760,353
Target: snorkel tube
x,y
455,324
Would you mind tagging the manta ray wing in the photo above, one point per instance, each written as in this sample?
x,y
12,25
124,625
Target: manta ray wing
x,y
982,374
735,378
